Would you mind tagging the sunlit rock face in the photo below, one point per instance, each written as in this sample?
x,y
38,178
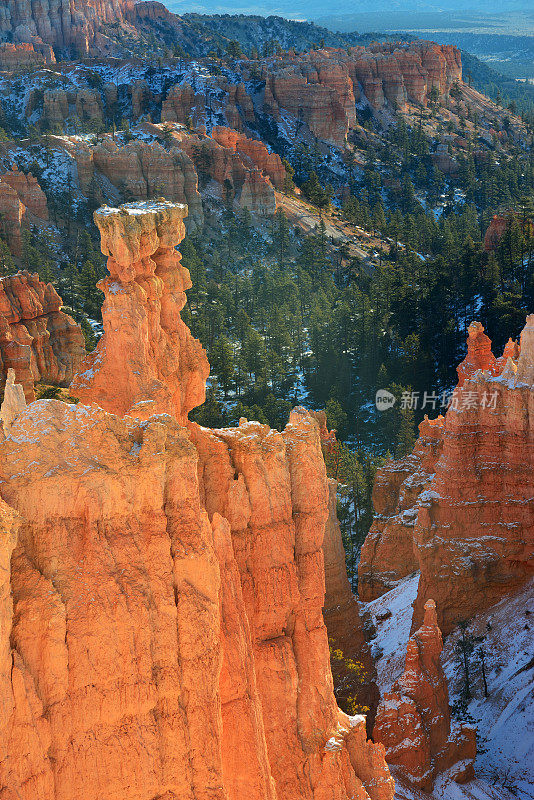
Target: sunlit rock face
x,y
413,720
162,634
253,151
147,361
479,354
320,87
458,508
37,340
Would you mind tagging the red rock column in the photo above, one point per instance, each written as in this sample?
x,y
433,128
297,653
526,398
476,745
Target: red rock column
x,y
147,361
388,553
413,720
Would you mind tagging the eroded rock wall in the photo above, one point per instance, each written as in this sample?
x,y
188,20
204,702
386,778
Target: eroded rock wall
x,y
78,24
458,508
387,553
474,535
321,87
166,637
22,202
13,56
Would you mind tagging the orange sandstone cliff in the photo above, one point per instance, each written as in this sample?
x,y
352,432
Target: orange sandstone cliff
x,y
162,634
413,720
474,535
458,508
346,627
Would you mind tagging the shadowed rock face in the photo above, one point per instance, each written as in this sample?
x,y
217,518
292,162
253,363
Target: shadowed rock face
x,y
63,23
229,165
165,637
29,192
413,720
341,611
22,201
388,553
24,54
38,340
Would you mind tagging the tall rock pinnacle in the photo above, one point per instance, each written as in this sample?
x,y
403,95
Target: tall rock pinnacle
x,y
525,364
147,361
413,720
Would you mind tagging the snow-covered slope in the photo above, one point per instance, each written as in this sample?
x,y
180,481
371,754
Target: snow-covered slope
x,y
505,719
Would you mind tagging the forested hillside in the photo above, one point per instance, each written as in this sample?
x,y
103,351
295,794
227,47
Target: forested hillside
x,y
334,250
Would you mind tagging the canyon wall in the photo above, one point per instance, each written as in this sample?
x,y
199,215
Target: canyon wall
x,y
22,202
347,634
474,535
238,168
165,636
317,93
458,508
254,151
38,340
24,54
320,87
62,24
229,167
143,171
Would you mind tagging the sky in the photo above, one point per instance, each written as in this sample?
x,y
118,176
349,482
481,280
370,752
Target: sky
x,y
313,9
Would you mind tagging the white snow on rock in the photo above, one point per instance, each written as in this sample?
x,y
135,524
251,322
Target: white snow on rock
x,y
389,646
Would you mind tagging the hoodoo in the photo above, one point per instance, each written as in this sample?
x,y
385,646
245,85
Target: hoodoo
x,y
413,720
147,361
290,214
473,535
